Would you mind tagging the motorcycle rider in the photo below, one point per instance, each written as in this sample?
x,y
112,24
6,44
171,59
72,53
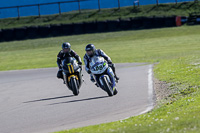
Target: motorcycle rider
x,y
90,52
66,52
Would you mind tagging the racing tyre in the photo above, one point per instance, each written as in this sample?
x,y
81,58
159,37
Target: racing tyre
x,y
107,87
74,86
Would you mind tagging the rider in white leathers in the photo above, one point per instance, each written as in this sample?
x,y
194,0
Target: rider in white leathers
x,y
90,52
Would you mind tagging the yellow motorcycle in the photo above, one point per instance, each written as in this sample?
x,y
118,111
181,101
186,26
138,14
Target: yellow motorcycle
x,y
72,74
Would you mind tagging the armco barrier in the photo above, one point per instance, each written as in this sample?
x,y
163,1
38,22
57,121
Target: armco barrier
x,y
159,22
125,24
198,19
170,21
67,29
90,27
184,20
180,20
86,27
20,33
8,34
55,30
148,22
44,31
78,28
1,37
102,26
113,25
193,19
32,32
137,23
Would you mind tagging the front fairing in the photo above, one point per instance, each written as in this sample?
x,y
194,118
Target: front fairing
x,y
70,69
98,65
70,65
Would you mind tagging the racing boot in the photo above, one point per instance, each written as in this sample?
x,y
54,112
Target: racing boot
x,y
115,75
115,91
97,85
92,78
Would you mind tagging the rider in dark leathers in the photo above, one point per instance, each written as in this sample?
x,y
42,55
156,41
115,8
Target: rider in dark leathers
x,y
90,52
66,52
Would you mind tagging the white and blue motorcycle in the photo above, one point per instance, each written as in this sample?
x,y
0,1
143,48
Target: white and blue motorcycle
x,y
103,74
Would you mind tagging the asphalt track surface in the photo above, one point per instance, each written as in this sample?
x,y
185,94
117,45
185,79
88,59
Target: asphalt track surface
x,y
35,101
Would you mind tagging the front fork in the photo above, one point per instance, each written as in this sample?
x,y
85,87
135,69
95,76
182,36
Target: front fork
x,y
64,77
112,78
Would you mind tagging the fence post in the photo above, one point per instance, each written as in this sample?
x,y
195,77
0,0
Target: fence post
x,y
118,4
18,12
138,3
99,5
59,8
39,10
79,7
134,3
157,2
176,2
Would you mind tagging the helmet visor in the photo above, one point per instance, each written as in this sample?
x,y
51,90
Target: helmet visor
x,y
66,50
90,52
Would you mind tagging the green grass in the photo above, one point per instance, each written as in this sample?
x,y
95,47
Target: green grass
x,y
124,46
176,49
183,9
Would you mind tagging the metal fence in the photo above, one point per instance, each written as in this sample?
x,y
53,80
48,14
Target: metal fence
x,y
39,5
60,7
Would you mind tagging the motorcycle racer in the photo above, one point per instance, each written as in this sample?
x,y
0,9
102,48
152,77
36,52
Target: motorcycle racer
x,y
90,52
66,52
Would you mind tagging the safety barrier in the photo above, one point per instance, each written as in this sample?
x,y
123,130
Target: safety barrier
x,y
101,26
194,18
67,29
86,27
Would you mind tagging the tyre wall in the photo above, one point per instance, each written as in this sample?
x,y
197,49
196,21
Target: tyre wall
x,y
86,27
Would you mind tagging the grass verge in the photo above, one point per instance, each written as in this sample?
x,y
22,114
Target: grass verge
x,y
183,9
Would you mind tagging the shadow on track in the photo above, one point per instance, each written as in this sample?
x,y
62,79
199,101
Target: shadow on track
x,y
46,99
87,99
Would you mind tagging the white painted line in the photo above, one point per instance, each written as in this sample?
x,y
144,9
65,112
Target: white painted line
x,y
150,90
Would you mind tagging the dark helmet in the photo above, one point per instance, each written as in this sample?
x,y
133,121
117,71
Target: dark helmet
x,y
90,47
66,45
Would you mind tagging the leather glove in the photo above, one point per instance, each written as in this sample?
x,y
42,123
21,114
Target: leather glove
x,y
109,62
80,63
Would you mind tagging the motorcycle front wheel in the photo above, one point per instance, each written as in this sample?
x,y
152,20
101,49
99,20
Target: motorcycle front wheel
x,y
107,87
74,86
